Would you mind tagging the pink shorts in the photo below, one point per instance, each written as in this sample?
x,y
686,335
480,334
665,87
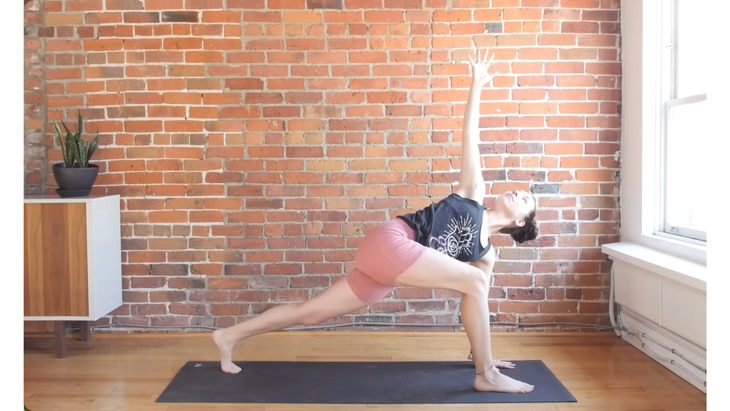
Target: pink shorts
x,y
383,255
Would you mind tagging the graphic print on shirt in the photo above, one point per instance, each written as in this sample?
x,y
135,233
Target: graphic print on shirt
x,y
457,239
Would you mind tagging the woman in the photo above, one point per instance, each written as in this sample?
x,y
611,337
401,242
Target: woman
x,y
445,245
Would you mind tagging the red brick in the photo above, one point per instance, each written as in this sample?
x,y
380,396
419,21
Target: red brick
x,y
286,4
558,307
579,27
578,4
597,40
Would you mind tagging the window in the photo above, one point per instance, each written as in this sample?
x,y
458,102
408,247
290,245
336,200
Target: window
x,y
683,201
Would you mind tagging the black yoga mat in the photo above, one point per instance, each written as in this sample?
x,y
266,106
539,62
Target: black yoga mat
x,y
289,382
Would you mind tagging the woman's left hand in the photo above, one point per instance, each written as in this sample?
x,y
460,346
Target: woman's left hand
x,y
480,68
498,363
504,364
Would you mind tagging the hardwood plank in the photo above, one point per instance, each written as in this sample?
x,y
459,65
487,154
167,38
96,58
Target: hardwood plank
x,y
93,373
124,404
69,387
227,407
56,404
423,407
37,402
615,407
515,407
318,407
92,396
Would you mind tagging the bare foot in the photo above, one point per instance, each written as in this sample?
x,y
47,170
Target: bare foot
x,y
495,381
226,349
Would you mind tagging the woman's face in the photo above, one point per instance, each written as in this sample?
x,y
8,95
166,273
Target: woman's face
x,y
515,205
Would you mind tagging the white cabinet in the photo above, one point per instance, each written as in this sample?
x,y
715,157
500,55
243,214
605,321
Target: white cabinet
x,y
72,260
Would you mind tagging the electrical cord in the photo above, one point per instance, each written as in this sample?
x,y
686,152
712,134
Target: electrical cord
x,y
656,356
638,336
611,303
322,327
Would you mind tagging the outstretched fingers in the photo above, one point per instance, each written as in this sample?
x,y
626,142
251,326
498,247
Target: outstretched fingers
x,y
479,64
491,58
483,59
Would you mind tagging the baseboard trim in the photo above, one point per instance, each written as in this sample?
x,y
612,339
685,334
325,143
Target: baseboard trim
x,y
687,370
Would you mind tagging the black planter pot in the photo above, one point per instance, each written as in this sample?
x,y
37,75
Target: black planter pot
x,y
76,181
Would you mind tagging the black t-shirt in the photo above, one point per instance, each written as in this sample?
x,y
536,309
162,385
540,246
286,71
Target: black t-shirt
x,y
452,226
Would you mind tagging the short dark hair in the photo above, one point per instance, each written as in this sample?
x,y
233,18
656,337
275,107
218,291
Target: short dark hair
x,y
525,233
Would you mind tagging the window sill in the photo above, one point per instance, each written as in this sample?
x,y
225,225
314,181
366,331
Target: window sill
x,y
667,265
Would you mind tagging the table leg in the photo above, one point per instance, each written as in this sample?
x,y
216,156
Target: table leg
x,y
60,337
85,330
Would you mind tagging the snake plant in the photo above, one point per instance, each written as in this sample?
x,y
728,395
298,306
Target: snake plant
x,y
76,150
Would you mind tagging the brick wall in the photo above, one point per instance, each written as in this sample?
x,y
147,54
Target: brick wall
x,y
253,142
35,100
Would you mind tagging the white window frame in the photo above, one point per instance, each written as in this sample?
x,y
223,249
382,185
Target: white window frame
x,y
668,100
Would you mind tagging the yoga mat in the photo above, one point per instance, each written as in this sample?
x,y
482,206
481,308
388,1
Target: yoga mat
x,y
433,382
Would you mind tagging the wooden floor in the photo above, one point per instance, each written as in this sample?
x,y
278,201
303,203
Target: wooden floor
x,y
129,372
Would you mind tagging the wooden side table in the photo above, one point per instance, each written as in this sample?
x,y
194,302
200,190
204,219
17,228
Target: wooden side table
x,y
73,261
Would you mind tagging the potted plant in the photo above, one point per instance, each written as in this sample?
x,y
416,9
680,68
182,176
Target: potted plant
x,y
75,176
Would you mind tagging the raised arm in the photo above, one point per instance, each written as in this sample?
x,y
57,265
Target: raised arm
x,y
471,182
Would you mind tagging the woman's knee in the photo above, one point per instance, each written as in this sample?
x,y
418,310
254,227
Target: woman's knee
x,y
302,314
477,281
310,316
310,320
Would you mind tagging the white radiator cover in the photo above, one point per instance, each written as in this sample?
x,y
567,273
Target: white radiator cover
x,y
662,301
675,306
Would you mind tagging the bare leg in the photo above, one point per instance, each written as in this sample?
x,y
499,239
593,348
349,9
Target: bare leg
x,y
335,301
435,270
